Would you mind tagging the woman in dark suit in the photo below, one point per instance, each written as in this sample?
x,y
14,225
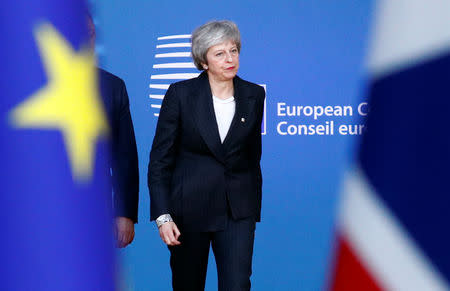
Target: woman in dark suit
x,y
204,173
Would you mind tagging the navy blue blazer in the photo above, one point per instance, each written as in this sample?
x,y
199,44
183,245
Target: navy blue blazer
x,y
124,159
192,175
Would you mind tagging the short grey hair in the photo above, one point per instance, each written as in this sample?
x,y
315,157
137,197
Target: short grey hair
x,y
211,34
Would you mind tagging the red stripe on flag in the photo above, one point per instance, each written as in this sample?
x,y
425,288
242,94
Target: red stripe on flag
x,y
349,274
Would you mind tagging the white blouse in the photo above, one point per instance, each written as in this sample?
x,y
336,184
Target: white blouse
x,y
224,110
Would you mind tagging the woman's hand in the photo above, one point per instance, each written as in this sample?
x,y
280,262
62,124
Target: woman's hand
x,y
169,233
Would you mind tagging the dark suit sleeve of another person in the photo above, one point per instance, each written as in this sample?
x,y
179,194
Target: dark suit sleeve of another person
x,y
163,155
125,169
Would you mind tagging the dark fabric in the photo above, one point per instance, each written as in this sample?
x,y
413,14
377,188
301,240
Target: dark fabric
x,y
192,175
189,261
233,251
124,159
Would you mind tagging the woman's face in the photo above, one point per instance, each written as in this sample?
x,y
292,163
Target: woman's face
x,y
223,61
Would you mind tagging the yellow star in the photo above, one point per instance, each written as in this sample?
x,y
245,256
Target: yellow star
x,y
69,102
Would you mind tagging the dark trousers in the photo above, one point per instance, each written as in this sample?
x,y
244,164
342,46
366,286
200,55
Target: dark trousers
x,y
233,251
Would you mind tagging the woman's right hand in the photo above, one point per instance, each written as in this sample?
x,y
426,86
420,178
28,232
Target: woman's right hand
x,y
169,233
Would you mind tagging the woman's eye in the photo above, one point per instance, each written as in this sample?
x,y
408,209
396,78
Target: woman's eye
x,y
219,54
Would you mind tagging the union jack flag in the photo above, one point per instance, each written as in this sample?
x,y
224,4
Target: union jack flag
x,y
393,225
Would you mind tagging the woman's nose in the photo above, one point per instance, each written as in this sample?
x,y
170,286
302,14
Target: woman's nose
x,y
229,57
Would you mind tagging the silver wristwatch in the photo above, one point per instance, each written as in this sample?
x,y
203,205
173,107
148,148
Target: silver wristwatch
x,y
163,219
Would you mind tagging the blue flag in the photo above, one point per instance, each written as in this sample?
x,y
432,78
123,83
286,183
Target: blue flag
x,y
55,190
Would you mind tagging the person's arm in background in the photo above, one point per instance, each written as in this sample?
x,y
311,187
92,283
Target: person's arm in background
x,y
125,170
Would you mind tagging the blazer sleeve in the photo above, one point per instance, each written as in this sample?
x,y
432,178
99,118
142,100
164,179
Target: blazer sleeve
x,y
125,170
257,148
163,155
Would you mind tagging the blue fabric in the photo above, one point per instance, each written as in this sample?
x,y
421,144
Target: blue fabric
x,y
56,231
406,152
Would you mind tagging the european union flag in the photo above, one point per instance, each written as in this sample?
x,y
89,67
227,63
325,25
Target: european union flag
x,y
54,193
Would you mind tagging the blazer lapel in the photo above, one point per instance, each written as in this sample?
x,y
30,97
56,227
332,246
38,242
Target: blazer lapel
x,y
206,118
242,112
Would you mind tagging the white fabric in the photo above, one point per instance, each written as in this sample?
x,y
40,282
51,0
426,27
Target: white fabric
x,y
224,110
408,32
